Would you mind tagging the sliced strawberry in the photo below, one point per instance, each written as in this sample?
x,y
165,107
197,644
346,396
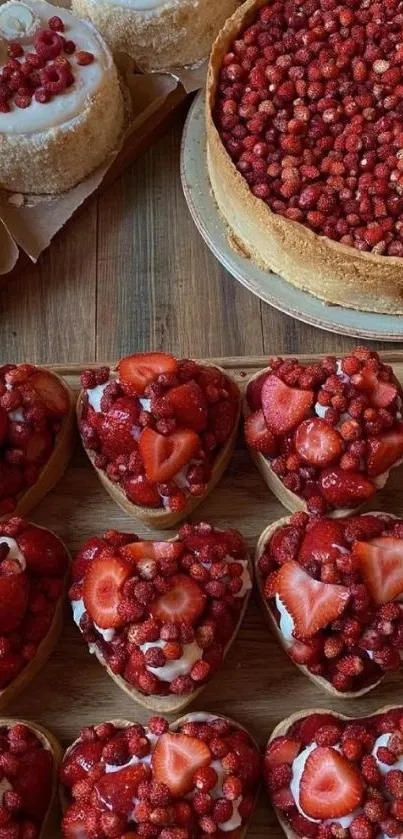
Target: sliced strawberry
x,y
152,550
103,584
4,423
305,730
117,790
34,782
254,392
138,371
322,542
52,393
345,489
385,451
284,407
116,427
38,447
14,593
163,456
189,405
44,553
257,435
184,602
330,786
79,761
90,549
281,750
311,603
175,760
317,442
380,393
381,565
305,653
142,492
10,666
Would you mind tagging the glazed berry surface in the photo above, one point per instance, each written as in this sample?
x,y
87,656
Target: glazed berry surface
x,y
33,405
309,108
334,589
331,431
199,779
332,777
161,613
33,564
27,771
157,428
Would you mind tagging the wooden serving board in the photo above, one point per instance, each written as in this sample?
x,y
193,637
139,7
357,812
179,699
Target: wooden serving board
x,y
258,685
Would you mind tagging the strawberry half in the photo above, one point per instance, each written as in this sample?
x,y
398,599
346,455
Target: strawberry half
x,y
284,407
185,601
189,406
103,585
257,435
79,761
380,393
317,442
281,750
152,550
52,393
116,427
116,791
14,593
312,604
381,565
385,451
175,760
345,489
44,553
330,786
138,371
322,542
165,456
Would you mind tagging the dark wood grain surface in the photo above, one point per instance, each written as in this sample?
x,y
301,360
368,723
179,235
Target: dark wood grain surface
x,y
132,272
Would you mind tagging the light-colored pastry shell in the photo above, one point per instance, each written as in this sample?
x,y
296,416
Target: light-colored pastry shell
x,y
333,272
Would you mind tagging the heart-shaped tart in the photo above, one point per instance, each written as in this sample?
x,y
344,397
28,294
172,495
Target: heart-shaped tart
x,y
37,435
161,616
33,569
196,776
159,432
334,777
332,591
325,435
29,765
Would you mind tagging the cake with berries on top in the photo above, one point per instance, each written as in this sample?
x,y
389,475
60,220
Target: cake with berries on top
x,y
196,777
332,591
325,435
61,107
304,138
161,616
330,776
160,432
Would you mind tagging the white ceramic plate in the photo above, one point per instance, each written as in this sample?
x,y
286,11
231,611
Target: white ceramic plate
x,y
268,286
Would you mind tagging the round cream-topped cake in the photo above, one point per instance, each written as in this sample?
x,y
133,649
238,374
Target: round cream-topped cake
x,y
158,33
61,107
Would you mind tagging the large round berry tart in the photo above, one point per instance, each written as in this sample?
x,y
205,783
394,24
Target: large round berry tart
x,y
198,776
61,108
158,34
305,131
161,616
29,764
159,432
332,592
33,568
333,776
37,435
325,435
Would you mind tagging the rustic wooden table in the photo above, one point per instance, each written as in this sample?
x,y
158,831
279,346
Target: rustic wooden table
x,y
132,272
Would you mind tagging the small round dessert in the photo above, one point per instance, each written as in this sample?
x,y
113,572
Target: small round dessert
x,y
158,33
61,107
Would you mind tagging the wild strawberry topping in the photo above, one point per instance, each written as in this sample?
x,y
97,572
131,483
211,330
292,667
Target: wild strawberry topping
x,y
335,589
332,430
161,613
157,782
333,778
27,781
33,563
33,405
157,429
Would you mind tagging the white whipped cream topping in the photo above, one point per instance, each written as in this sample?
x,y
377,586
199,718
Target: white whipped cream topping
x,y
95,395
286,624
78,610
180,667
145,404
107,634
383,741
298,767
14,552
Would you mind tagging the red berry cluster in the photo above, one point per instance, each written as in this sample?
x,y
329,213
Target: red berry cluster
x,y
350,433
42,74
381,805
27,597
309,107
107,805
27,768
366,640
30,421
210,622
208,394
